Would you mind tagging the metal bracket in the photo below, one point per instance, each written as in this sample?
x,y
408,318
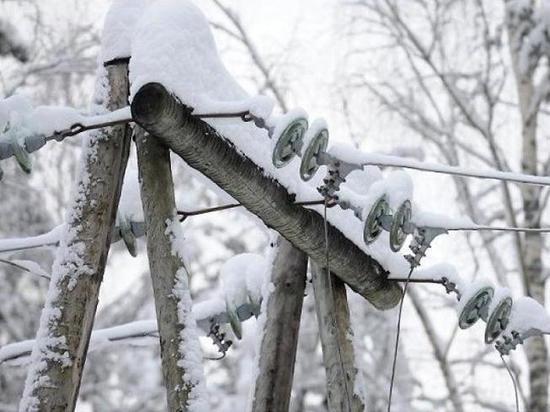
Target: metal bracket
x,y
450,287
218,337
509,343
422,240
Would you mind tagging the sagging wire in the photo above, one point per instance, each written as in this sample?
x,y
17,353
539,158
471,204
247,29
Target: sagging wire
x,y
513,381
397,336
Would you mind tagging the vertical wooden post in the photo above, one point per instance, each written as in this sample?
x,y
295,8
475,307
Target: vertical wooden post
x,y
335,331
159,206
280,339
66,322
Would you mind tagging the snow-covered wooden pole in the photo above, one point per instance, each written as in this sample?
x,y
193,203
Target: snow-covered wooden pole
x,y
280,339
331,304
174,317
156,110
58,357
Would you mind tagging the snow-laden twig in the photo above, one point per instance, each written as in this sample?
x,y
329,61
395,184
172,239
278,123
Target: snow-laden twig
x,y
50,238
27,266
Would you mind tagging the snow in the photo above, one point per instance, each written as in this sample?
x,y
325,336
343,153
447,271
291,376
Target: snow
x,y
131,333
267,288
355,156
528,317
46,120
67,268
436,273
119,26
13,107
436,220
361,180
172,43
20,120
190,353
313,130
242,277
32,267
183,57
360,385
259,106
50,238
207,309
53,237
469,290
129,206
500,294
398,187
280,123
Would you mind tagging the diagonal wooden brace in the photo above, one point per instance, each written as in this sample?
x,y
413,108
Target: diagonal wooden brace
x,y
158,112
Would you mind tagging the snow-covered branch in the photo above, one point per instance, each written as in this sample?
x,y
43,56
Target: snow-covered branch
x,y
207,313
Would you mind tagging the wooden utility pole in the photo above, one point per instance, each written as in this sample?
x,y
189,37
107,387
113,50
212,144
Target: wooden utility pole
x,y
335,331
280,339
156,110
66,323
159,206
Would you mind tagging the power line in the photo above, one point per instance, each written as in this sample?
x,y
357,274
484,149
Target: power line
x,y
513,381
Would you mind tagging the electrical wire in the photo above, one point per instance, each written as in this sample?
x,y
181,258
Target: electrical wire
x,y
392,161
503,229
513,381
397,335
185,214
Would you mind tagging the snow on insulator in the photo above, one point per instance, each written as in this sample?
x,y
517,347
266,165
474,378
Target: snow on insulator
x,y
529,318
499,314
12,107
119,26
242,277
130,200
424,218
474,302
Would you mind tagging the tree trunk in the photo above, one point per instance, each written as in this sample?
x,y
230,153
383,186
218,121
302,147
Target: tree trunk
x,y
338,356
444,366
66,323
536,350
159,206
205,150
280,339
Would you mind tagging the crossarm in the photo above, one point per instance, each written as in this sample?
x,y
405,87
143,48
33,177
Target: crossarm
x,y
157,111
